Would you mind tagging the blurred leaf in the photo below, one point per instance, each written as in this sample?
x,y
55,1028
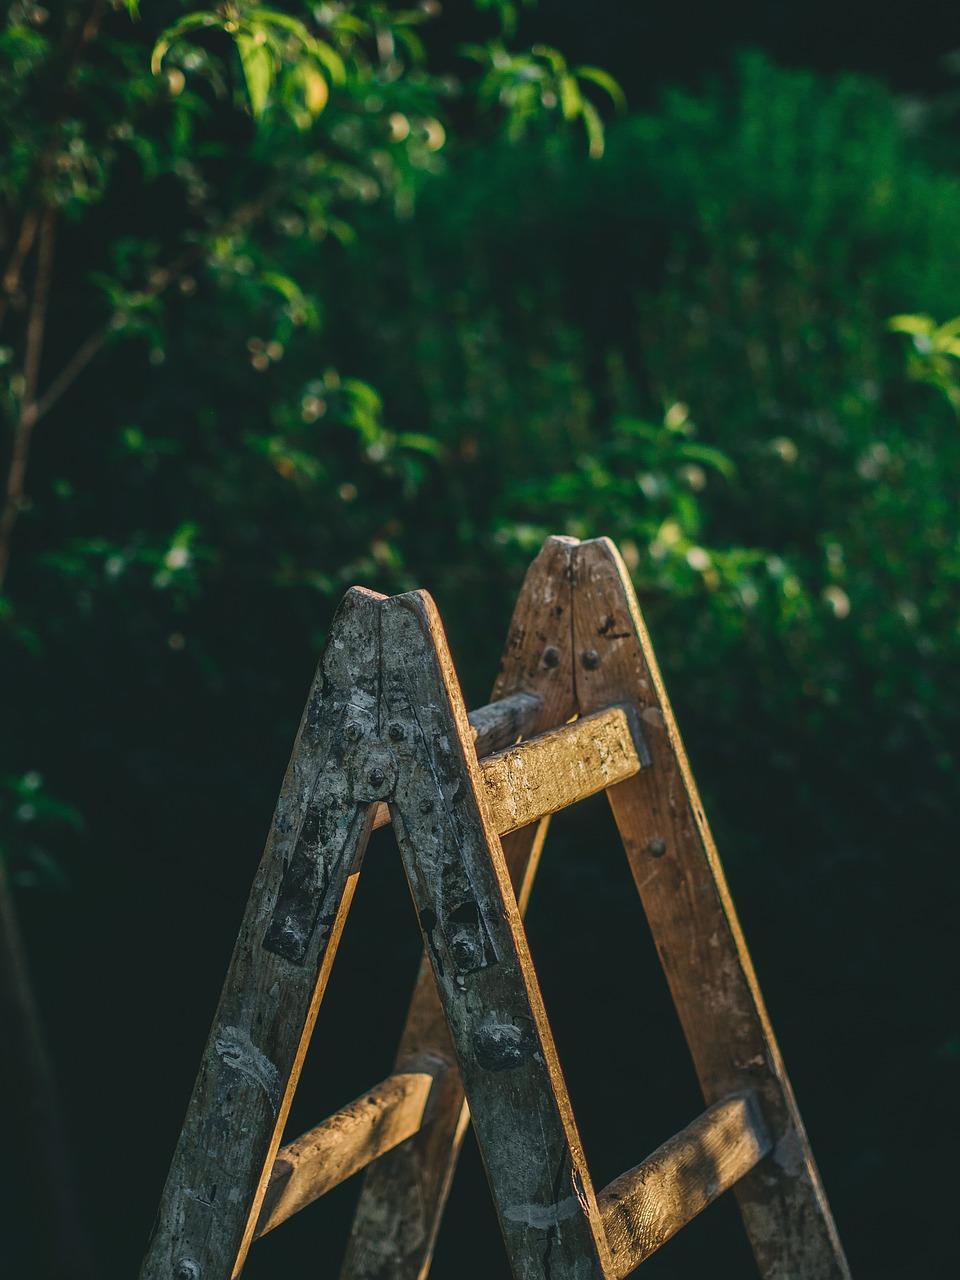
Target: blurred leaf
x,y
258,70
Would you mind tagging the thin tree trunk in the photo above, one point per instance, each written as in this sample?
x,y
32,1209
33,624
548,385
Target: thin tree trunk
x,y
29,1099
33,351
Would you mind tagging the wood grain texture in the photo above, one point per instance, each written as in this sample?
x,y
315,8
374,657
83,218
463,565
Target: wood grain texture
x,y
555,769
404,1193
472,930
680,880
644,1207
267,1009
347,1142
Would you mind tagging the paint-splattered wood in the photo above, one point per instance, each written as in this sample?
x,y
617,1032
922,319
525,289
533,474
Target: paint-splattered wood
x,y
681,883
280,965
347,1142
556,769
405,1192
499,724
644,1207
472,930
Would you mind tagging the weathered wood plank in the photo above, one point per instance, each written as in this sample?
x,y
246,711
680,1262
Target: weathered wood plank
x,y
471,925
680,880
647,1205
556,769
347,1142
404,1193
288,939
498,724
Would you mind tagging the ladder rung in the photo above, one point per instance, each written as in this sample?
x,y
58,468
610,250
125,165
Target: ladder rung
x,y
647,1205
348,1141
556,769
560,767
498,724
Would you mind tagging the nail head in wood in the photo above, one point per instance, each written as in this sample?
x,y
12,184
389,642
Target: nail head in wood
x,y
590,659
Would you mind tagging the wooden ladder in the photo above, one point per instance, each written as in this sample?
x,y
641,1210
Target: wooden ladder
x,y
578,707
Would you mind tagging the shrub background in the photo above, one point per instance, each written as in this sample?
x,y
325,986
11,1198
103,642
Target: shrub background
x,y
683,345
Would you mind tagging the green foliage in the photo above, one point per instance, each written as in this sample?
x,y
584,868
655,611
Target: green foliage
x,y
740,253
32,823
527,86
166,187
301,337
935,353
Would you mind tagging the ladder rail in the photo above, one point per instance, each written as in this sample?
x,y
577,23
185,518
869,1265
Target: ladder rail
x,y
253,1056
680,880
404,1194
481,962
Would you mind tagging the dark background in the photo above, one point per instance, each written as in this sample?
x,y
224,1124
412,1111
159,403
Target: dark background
x,y
845,887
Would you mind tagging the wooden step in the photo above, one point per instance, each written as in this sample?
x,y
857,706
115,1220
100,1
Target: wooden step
x,y
349,1140
552,771
644,1207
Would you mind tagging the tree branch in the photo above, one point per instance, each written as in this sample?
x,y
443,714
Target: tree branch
x,y
11,276
32,190
162,280
33,350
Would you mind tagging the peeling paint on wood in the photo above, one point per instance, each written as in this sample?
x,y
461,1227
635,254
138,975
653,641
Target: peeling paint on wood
x,y
404,1193
252,1061
494,1010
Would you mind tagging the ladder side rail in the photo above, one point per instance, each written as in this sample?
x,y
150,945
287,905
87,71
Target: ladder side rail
x,y
288,939
405,1192
481,962
686,900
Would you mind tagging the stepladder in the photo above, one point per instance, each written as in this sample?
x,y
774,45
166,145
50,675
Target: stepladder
x,y
578,707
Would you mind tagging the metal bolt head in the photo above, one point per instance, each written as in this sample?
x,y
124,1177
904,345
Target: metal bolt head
x,y
353,731
187,1269
397,732
376,777
656,847
551,656
590,659
464,951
